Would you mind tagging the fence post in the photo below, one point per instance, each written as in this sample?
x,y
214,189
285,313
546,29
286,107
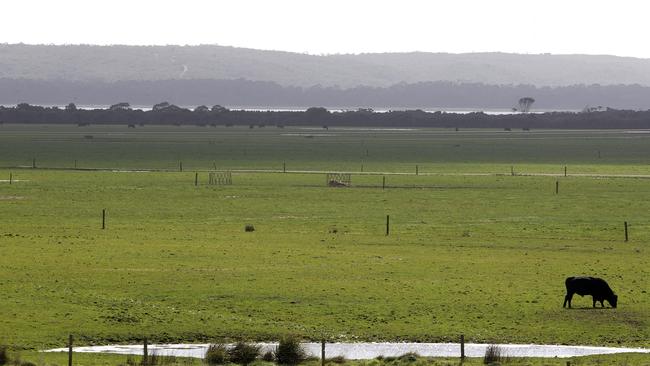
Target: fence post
x,y
322,352
512,170
180,166
361,168
11,178
103,218
387,225
565,170
70,350
383,182
284,167
462,347
557,187
625,224
145,353
75,163
196,179
417,170
33,163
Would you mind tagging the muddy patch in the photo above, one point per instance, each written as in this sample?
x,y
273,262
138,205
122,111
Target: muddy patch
x,y
11,198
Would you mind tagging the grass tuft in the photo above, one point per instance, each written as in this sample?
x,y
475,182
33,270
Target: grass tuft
x,y
494,355
290,351
217,354
243,353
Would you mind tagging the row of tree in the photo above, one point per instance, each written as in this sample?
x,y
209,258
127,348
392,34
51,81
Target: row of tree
x,y
169,114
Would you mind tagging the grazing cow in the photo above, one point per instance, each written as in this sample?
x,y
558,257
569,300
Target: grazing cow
x,y
596,287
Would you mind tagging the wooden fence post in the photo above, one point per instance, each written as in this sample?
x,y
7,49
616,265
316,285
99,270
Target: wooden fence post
x,y
512,170
196,179
625,224
387,225
417,170
565,170
11,178
70,350
180,166
103,218
361,168
383,182
145,353
33,163
462,347
284,167
322,352
557,187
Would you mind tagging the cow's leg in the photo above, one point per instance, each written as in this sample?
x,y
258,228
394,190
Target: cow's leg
x,y
567,300
594,300
602,305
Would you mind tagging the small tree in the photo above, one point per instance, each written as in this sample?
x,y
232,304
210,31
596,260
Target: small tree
x,y
525,103
119,106
219,109
161,106
71,107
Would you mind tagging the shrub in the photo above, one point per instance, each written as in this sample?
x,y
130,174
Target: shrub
x,y
338,360
249,228
409,356
243,353
217,354
289,352
493,354
4,355
268,356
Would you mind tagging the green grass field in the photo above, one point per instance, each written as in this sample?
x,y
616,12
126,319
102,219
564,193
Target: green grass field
x,y
484,256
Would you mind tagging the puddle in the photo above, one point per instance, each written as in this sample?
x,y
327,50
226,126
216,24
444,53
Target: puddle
x,y
11,198
361,351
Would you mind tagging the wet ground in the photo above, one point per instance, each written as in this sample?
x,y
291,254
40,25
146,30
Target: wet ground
x,y
373,350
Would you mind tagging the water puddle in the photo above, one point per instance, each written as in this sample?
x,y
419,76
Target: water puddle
x,y
365,351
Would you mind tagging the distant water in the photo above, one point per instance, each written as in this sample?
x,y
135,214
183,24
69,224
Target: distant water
x,y
495,111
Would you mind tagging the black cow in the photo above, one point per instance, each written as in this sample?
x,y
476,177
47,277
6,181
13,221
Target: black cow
x,y
596,287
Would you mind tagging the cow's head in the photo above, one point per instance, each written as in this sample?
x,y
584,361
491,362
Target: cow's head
x,y
613,300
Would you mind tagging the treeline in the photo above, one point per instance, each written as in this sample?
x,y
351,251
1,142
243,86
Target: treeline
x,y
241,92
169,114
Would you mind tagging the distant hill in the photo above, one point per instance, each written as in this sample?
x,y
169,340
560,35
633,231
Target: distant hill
x,y
144,63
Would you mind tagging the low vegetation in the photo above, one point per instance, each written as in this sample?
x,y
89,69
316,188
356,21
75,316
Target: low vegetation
x,y
243,353
494,355
217,354
289,351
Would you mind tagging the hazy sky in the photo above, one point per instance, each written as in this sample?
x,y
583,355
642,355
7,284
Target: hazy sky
x,y
617,27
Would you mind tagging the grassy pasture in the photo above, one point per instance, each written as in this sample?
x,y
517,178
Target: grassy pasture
x,y
481,255
434,150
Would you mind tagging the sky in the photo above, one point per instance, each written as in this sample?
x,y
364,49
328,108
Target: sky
x,y
340,26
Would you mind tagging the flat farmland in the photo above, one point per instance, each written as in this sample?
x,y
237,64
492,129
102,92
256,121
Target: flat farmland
x,y
485,256
351,149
